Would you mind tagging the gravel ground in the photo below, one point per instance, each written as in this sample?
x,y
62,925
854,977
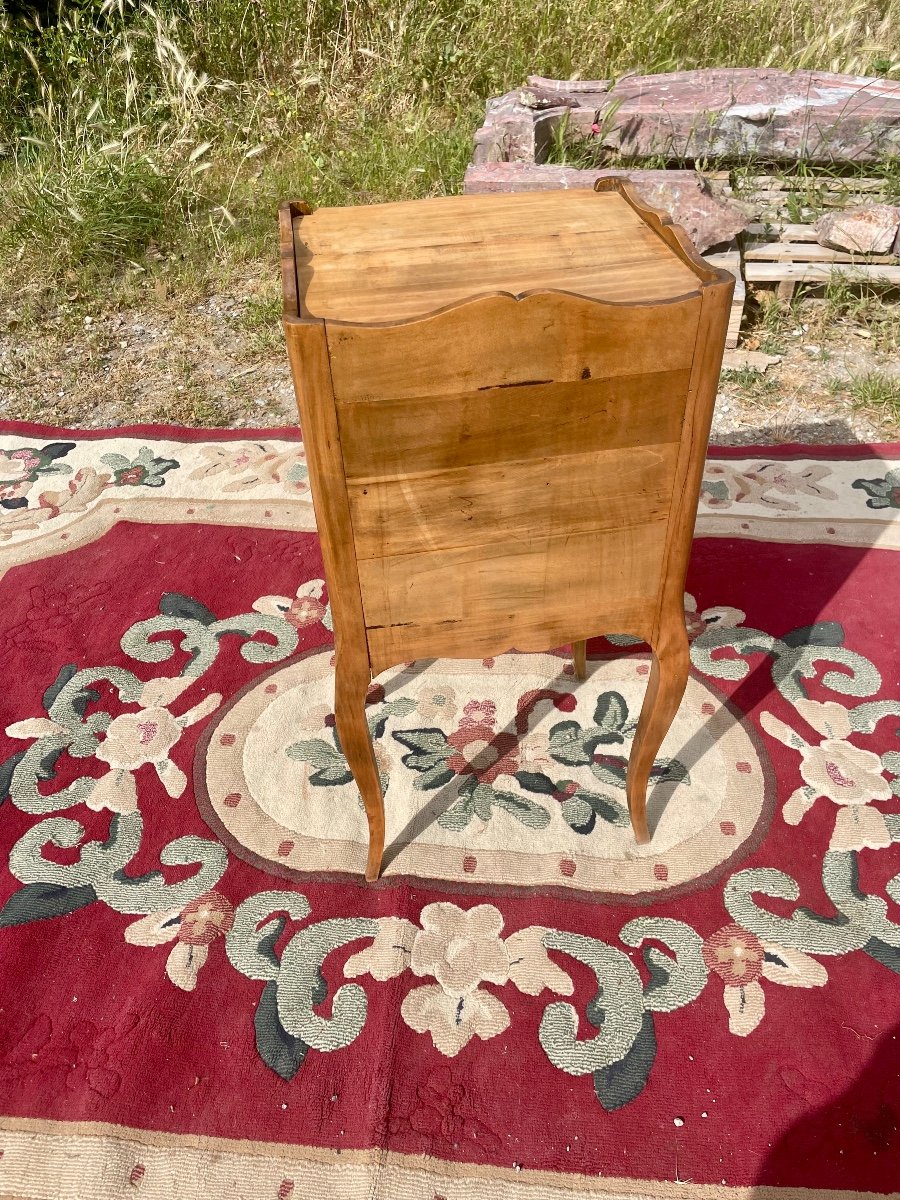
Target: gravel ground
x,y
219,360
804,398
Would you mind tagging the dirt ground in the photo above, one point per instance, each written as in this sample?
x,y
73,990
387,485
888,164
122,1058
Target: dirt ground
x,y
219,360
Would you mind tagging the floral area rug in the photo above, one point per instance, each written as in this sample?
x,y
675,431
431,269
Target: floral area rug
x,y
200,997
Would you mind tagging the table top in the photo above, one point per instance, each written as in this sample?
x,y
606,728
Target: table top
x,y
382,263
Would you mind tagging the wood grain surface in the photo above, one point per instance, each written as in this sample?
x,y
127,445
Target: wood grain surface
x,y
389,262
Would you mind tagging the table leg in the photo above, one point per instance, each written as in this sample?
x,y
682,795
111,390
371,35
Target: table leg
x,y
351,681
579,653
665,689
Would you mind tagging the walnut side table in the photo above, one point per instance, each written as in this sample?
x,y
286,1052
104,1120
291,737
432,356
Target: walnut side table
x,y
506,402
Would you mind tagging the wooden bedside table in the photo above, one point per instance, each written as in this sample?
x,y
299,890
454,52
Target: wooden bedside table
x,y
505,402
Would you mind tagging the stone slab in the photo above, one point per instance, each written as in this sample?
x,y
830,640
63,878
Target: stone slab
x,y
871,229
736,113
708,219
749,360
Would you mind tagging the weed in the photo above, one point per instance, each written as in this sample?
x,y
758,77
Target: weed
x,y
261,313
877,393
743,377
860,303
261,321
753,385
583,150
774,321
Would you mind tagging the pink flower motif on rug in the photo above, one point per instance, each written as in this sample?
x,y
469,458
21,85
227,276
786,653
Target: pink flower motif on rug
x,y
766,483
740,959
132,740
480,749
721,617
835,769
193,928
305,608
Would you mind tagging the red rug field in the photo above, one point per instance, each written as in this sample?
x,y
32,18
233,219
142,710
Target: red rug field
x,y
201,998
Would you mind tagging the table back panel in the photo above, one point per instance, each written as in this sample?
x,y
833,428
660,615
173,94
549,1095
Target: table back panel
x,y
511,469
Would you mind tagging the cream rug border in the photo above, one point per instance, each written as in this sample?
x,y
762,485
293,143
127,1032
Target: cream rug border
x,y
58,1160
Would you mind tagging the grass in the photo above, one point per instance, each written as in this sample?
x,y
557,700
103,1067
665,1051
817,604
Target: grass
x,y
753,385
842,302
743,377
260,321
871,307
158,139
876,393
774,321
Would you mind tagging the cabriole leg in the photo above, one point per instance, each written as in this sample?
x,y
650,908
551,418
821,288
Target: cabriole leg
x,y
351,681
668,679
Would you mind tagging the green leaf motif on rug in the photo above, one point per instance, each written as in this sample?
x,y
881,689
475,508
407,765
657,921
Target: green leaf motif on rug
x,y
572,745
146,470
185,608
38,901
331,768
883,492
716,489
623,1081
480,800
280,1051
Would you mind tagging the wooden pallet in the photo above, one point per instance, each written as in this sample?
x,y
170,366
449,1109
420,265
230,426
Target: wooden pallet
x,y
730,260
830,183
776,198
788,254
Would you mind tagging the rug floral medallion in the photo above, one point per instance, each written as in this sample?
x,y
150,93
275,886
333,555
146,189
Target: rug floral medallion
x,y
507,772
200,995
